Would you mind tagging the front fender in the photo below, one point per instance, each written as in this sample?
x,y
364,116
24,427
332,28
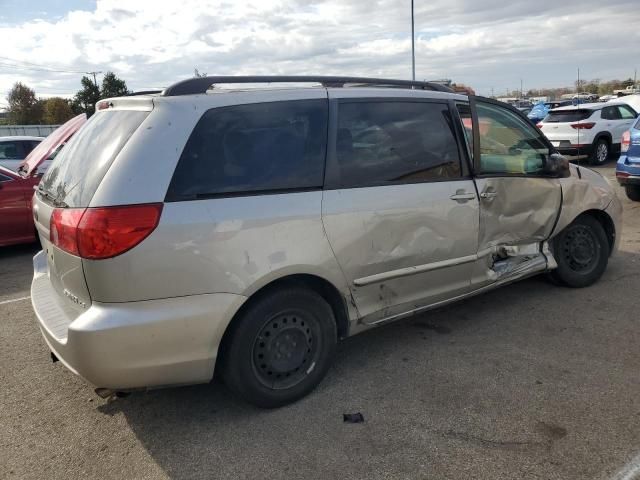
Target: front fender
x,y
586,190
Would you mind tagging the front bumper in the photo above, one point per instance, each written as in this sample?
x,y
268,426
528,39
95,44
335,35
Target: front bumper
x,y
131,345
628,173
614,210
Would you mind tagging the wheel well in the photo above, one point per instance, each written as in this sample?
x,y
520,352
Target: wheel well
x,y
605,135
606,222
319,285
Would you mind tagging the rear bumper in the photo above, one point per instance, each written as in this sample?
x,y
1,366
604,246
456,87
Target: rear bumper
x,y
132,345
628,173
578,151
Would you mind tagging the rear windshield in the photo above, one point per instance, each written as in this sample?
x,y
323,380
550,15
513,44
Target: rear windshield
x,y
568,116
80,166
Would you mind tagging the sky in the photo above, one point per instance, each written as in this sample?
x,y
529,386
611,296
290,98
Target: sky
x,y
490,45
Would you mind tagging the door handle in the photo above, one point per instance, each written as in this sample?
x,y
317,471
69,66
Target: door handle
x,y
462,196
488,194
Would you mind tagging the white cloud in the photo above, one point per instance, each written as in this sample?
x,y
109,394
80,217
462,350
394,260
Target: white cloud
x,y
485,43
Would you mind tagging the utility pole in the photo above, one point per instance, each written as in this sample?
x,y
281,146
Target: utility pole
x,y
95,82
578,82
413,47
521,95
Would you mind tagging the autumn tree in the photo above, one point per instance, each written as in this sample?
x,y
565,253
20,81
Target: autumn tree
x,y
56,110
24,107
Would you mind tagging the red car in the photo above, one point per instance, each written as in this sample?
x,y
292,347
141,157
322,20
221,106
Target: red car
x,y
16,222
16,189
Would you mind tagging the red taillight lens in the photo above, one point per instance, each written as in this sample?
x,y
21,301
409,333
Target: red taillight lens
x,y
622,174
626,141
539,125
64,228
103,232
583,126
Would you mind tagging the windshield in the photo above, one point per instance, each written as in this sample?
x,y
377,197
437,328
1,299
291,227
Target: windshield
x,y
78,169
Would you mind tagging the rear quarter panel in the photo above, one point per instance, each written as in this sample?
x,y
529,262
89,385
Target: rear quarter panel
x,y
225,245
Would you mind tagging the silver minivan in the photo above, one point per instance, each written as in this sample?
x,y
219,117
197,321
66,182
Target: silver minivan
x,y
214,228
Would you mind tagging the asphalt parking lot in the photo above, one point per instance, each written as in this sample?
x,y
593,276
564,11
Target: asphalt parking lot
x,y
530,381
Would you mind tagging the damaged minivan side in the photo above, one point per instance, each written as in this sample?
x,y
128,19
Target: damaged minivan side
x,y
243,232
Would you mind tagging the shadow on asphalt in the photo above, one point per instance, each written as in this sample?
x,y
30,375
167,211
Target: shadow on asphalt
x,y
192,432
15,267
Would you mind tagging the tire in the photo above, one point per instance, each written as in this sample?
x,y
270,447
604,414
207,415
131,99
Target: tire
x,y
633,192
582,253
601,152
280,348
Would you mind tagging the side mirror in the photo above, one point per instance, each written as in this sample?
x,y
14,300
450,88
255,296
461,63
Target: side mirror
x,y
557,166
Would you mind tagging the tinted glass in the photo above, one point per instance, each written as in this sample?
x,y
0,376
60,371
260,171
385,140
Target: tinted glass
x,y
508,144
256,147
11,151
80,166
391,142
626,113
610,113
28,146
568,116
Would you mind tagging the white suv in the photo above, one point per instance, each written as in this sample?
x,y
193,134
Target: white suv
x,y
592,129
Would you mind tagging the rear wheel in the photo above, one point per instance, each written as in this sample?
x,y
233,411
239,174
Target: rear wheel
x,y
280,348
633,192
582,253
601,151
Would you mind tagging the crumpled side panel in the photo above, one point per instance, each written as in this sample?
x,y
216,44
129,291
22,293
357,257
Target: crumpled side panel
x,y
590,192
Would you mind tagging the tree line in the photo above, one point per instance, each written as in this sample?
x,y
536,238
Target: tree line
x,y
25,108
595,86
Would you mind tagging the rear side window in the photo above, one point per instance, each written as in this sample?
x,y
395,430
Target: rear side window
x,y
11,151
395,142
610,113
568,116
79,167
253,148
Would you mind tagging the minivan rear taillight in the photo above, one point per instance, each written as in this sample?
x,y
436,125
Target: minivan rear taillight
x,y
626,141
103,232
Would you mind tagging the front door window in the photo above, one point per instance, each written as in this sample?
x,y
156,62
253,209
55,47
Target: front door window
x,y
508,144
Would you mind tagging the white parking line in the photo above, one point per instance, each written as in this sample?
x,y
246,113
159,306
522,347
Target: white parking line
x,y
14,300
631,471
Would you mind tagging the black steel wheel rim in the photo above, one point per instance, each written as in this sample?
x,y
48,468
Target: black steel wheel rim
x,y
286,349
580,249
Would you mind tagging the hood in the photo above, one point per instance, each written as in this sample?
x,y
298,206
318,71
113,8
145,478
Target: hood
x,y
45,148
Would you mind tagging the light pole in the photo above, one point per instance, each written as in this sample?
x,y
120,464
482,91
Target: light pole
x,y
413,47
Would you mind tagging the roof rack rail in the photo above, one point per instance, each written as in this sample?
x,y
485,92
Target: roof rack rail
x,y
142,92
197,85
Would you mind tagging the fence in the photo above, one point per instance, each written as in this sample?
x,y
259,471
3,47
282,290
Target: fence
x,y
31,130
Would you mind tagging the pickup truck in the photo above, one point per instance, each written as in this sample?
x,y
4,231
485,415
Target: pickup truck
x,y
630,90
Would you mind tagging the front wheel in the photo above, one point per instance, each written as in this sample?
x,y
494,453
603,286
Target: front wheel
x,y
280,348
633,192
582,253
